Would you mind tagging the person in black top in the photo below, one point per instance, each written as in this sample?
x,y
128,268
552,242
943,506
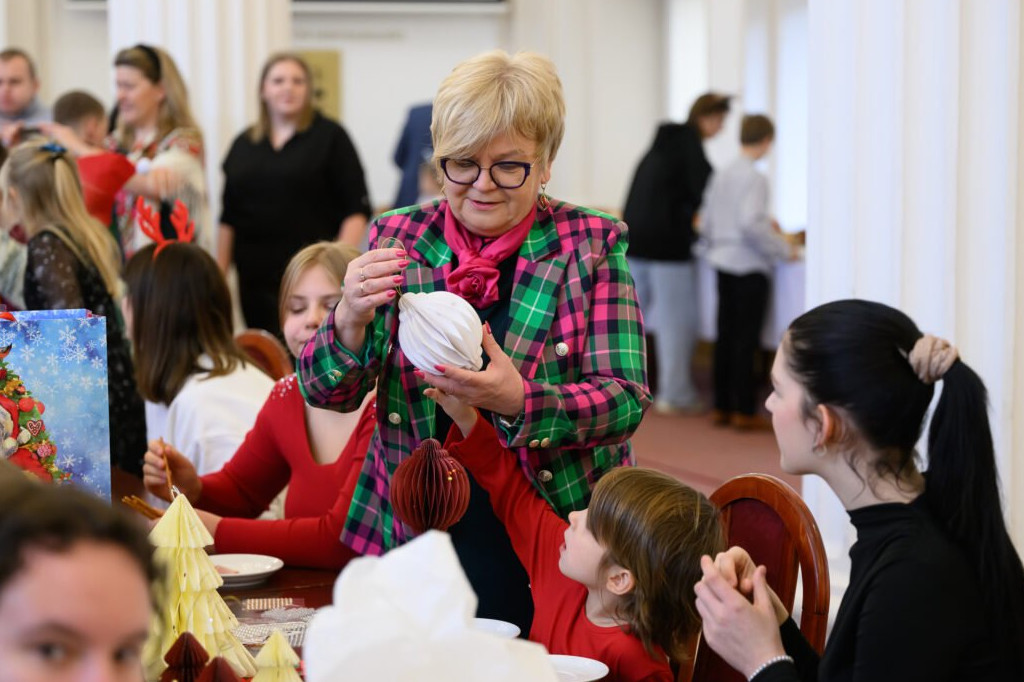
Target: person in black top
x,y
291,179
663,201
936,588
73,262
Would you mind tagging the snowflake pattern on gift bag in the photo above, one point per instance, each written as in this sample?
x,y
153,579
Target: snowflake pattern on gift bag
x,y
54,416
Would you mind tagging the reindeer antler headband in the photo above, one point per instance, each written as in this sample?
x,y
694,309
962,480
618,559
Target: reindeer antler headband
x,y
149,223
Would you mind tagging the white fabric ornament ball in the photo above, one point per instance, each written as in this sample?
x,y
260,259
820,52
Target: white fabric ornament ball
x,y
439,328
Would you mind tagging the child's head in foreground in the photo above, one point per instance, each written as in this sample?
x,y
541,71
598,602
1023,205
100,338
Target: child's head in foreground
x,y
641,540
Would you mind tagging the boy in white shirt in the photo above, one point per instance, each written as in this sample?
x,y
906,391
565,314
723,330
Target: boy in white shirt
x,y
744,241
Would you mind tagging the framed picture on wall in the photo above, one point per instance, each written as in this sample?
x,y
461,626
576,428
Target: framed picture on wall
x,y
326,68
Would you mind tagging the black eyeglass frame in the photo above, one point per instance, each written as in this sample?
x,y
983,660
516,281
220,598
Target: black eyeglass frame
x,y
480,169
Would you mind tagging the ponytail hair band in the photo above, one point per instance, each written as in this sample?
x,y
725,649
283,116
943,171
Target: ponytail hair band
x,y
55,150
931,357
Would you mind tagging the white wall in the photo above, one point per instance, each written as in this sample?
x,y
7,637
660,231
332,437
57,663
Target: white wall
x,y
67,40
389,62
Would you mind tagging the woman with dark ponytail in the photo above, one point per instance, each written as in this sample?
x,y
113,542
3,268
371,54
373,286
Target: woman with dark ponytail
x,y
936,587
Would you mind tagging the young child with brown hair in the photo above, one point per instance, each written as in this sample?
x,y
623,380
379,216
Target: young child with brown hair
x,y
612,584
80,124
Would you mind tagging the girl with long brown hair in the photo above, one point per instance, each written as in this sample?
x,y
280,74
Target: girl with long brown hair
x,y
202,393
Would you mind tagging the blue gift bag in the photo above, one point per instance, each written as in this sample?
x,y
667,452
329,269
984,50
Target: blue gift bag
x,y
54,416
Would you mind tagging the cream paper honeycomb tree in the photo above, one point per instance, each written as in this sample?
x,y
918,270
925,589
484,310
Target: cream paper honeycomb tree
x,y
187,594
277,661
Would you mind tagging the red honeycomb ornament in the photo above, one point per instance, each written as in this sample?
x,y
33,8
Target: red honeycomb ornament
x,y
430,489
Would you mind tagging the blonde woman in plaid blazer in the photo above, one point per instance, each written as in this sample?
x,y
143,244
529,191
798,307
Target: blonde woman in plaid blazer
x,y
565,384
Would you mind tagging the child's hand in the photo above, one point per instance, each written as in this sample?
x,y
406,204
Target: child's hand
x,y
745,634
463,414
156,461
738,569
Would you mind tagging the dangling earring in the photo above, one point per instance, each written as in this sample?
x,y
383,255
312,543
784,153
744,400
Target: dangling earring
x,y
542,198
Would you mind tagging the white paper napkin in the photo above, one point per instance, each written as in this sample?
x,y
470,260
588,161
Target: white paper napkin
x,y
409,616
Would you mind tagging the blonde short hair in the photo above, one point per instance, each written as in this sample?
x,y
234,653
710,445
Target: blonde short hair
x,y
496,94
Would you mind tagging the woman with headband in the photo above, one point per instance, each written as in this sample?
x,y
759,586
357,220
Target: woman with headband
x,y
157,133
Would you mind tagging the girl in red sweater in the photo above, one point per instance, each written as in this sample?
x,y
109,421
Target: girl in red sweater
x,y
612,584
316,453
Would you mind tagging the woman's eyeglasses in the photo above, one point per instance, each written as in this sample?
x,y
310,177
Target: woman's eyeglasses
x,y
505,174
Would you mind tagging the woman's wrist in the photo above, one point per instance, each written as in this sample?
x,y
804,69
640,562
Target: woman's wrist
x,y
350,335
767,663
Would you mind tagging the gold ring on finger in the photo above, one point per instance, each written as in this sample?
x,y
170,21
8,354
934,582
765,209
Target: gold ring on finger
x,y
362,287
362,275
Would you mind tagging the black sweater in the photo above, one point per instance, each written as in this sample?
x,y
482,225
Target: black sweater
x,y
666,193
912,610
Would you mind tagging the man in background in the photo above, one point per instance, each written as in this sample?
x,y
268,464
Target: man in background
x,y
19,89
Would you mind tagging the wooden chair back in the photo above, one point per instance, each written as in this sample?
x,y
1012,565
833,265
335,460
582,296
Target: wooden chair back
x,y
264,349
769,519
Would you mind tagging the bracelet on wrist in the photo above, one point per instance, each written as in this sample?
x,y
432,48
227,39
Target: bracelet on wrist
x,y
767,664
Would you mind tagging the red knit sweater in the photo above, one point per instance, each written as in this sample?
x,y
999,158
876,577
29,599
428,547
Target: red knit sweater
x,y
274,453
560,621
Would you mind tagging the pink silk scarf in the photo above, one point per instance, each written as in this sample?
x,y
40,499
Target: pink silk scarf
x,y
476,276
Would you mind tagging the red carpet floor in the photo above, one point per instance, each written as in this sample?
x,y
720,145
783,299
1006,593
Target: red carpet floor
x,y
702,455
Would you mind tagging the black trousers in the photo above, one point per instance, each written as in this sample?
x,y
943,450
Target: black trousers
x,y
742,303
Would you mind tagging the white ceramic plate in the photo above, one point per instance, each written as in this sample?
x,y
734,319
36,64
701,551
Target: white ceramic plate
x,y
245,570
497,627
578,668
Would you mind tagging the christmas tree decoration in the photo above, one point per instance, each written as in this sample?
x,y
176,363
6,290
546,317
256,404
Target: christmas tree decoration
x,y
188,593
54,412
430,488
277,661
24,440
185,660
439,328
219,670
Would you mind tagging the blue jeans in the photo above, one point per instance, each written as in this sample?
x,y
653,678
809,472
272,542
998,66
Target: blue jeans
x,y
667,292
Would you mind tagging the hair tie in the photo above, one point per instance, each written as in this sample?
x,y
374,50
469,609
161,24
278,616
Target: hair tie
x,y
931,357
56,151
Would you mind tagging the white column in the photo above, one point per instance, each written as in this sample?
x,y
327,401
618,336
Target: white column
x,y
727,48
686,55
219,47
915,164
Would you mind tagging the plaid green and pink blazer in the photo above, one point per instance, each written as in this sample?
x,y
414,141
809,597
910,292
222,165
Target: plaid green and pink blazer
x,y
572,292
